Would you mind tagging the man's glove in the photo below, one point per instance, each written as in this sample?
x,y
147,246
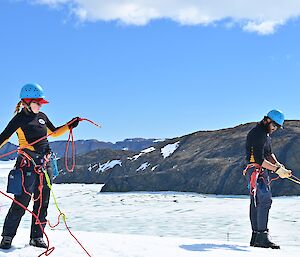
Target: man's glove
x,y
74,122
278,165
283,172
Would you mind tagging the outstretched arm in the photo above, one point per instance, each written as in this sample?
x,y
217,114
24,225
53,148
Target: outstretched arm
x,y
58,131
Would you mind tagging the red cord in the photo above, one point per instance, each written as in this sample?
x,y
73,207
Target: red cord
x,y
71,138
76,239
49,250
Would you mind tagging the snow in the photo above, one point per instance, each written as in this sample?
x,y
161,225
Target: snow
x,y
155,224
153,168
169,149
148,150
93,167
108,165
145,151
143,166
122,245
5,166
105,166
159,140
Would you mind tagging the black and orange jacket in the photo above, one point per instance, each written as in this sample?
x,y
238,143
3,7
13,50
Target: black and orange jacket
x,y
258,145
31,127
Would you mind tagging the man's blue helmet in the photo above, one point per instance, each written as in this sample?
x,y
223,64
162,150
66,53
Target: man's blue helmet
x,y
277,116
32,90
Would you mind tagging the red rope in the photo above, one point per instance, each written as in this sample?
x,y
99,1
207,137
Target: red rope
x,y
90,121
71,138
72,142
76,239
49,250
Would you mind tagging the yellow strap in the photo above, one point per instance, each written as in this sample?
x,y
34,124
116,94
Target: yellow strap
x,y
53,195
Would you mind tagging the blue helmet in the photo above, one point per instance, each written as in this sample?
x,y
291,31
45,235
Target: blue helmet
x,y
32,90
276,116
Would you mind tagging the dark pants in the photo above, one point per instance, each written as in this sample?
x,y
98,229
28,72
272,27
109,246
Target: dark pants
x,y
260,203
15,213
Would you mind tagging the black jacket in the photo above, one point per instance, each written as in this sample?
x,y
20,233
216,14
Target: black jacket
x,y
258,145
31,127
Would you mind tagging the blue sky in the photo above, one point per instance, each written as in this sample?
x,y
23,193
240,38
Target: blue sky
x,y
155,72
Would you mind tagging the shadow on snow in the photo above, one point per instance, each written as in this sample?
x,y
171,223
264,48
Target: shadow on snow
x,y
210,247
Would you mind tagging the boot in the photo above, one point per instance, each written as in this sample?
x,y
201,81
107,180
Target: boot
x,y
253,238
38,242
6,242
262,240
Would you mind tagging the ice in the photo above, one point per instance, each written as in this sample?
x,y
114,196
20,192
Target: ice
x,y
5,167
156,224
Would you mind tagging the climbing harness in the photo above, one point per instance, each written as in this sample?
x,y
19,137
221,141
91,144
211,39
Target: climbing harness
x,y
258,173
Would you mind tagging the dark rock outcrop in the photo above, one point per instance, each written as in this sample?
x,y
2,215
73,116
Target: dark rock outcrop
x,y
7,148
209,162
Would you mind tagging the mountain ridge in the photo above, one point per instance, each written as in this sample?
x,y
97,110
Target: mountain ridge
x,y
209,162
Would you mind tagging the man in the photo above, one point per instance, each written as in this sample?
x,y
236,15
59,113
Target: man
x,y
261,161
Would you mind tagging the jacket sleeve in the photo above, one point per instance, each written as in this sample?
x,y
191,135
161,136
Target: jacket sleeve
x,y
11,128
58,131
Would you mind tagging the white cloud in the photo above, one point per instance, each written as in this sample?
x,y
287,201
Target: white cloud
x,y
263,28
260,16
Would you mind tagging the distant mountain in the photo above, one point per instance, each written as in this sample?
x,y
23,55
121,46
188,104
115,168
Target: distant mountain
x,y
7,148
209,162
85,146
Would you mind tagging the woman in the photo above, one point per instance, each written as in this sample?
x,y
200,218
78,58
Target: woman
x,y
31,125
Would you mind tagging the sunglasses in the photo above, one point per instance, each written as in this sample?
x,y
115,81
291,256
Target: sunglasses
x,y
37,102
275,125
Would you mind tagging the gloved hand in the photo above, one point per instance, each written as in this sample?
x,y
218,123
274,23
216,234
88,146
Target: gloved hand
x,y
74,122
283,172
278,164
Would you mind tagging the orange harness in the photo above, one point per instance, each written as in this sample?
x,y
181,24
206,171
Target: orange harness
x,y
258,170
256,174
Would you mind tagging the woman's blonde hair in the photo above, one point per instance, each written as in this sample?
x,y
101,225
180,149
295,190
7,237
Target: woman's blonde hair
x,y
18,107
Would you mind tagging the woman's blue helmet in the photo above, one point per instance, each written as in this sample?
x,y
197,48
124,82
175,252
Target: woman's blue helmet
x,y
32,90
277,116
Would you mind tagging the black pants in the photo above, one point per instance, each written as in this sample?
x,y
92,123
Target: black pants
x,y
15,213
260,204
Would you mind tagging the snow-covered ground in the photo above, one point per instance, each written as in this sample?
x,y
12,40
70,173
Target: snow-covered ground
x,y
156,224
118,245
